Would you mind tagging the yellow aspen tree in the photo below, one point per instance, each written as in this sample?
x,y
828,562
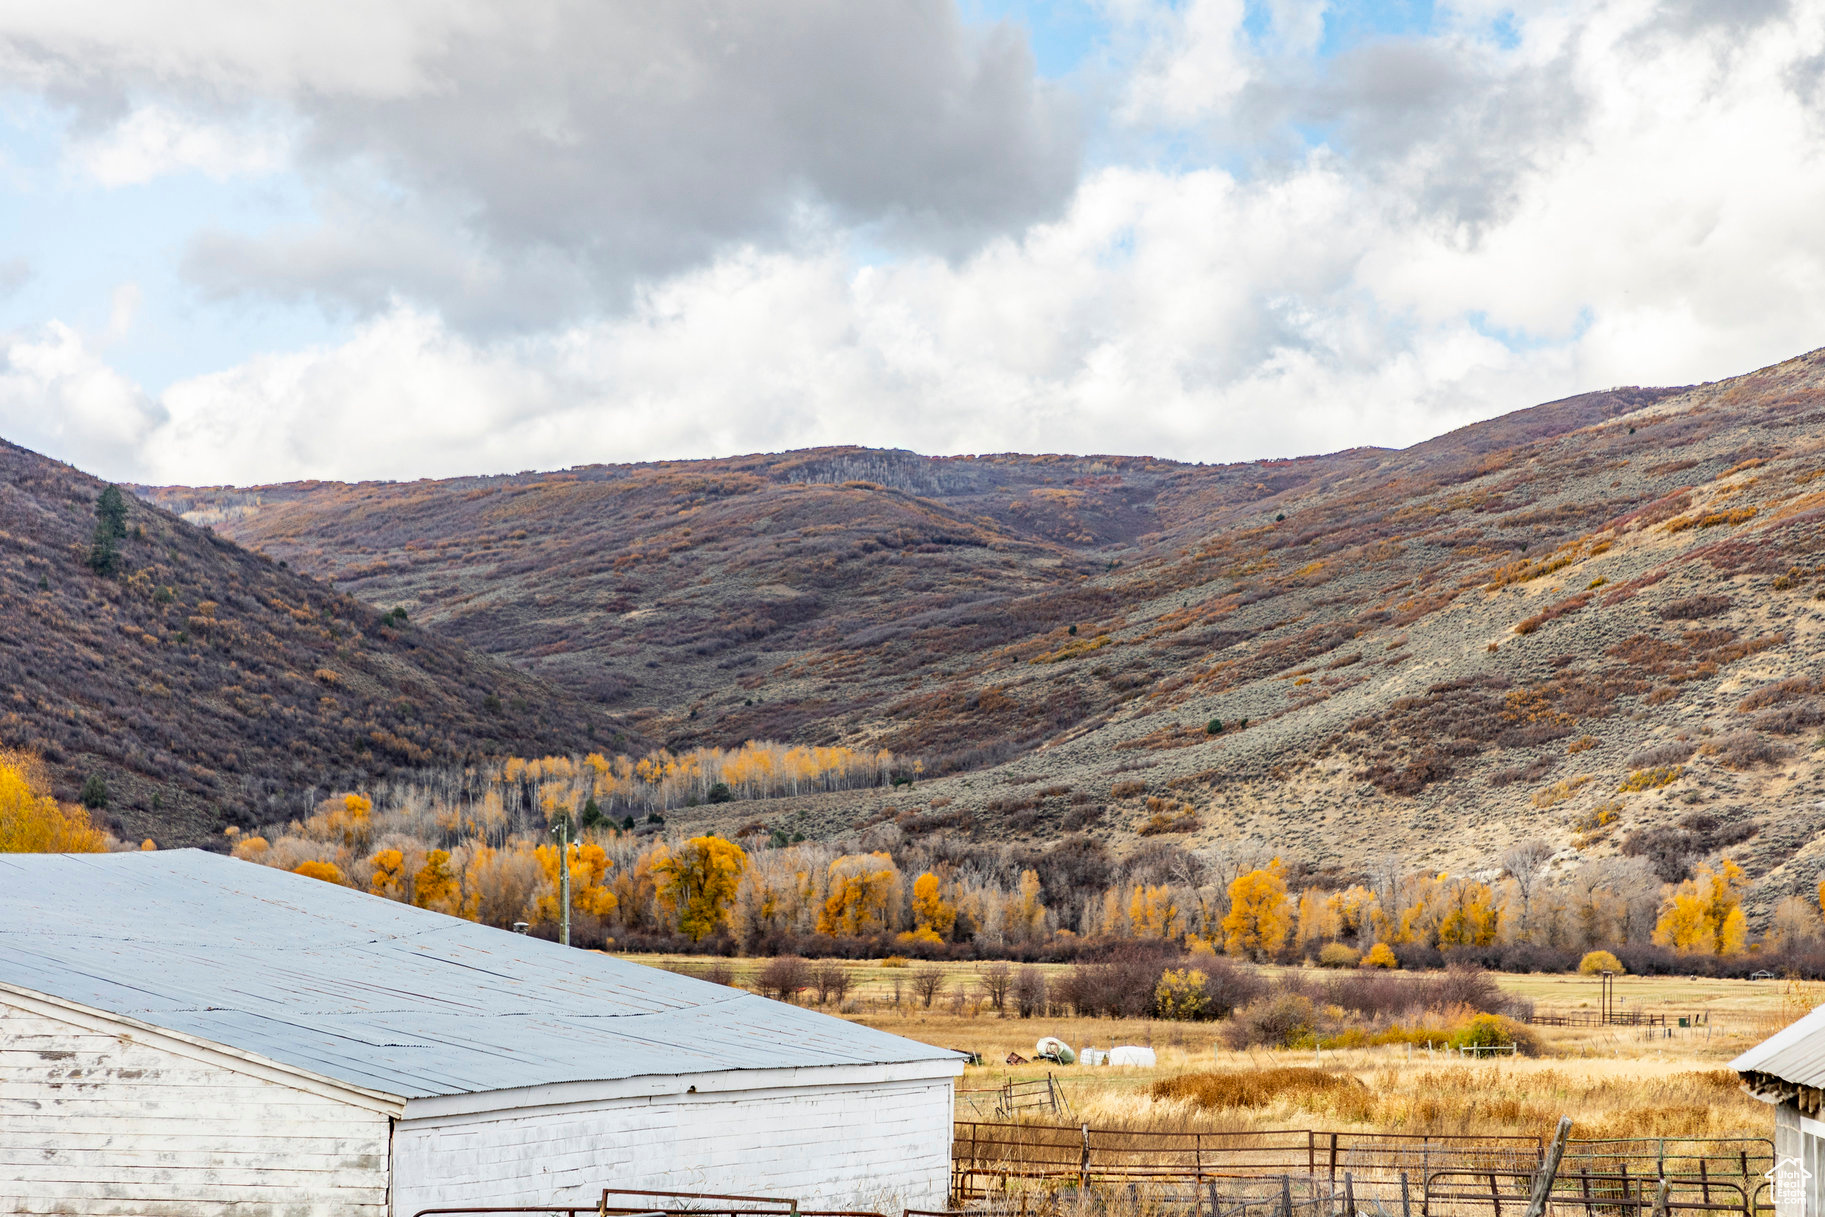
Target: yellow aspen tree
x,y
1469,917
389,877
33,822
933,915
1258,918
701,879
1154,912
1704,913
329,872
1319,920
1026,916
435,886
864,888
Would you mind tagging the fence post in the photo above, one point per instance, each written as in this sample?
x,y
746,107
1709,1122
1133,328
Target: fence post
x,y
1286,1196
1083,1167
1549,1169
1333,1161
1311,1152
1349,1195
1660,1198
1406,1205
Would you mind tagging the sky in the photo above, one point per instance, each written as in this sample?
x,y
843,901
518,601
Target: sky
x,y
421,238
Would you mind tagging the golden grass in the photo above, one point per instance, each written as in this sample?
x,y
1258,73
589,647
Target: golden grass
x,y
1612,1081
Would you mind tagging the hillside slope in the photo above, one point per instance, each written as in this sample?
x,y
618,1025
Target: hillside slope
x,y
1596,621
208,686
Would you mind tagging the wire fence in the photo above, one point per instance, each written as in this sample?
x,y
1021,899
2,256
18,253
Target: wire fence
x,y
1324,1173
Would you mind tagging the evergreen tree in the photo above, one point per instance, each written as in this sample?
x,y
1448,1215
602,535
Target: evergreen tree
x,y
94,794
110,531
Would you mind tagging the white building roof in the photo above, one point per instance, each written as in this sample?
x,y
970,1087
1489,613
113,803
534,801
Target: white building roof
x,y
376,994
1795,1054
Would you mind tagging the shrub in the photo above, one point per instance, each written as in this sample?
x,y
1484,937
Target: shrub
x,y
94,795
1338,955
1180,994
783,977
1253,1087
1280,1021
1127,789
1651,779
1744,750
1030,991
1380,956
329,872
1465,985
1595,962
831,979
1495,1031
1121,987
1660,755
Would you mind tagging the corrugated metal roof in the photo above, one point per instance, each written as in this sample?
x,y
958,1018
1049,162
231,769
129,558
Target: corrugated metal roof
x,y
378,994
1795,1054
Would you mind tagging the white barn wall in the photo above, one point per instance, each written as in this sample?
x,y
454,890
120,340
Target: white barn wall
x,y
828,1146
108,1119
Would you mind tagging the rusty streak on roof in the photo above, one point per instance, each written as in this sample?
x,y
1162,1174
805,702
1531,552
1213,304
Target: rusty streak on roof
x,y
378,994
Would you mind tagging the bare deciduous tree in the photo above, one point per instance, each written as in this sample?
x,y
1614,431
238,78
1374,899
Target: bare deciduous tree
x,y
927,983
996,979
1526,865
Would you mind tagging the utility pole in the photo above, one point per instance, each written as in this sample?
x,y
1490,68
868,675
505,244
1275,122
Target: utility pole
x,y
563,831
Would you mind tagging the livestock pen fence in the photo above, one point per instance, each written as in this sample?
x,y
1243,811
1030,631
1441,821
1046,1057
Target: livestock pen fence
x,y
1323,1173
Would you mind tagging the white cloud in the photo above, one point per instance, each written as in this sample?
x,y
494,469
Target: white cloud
x,y
1621,193
155,140
57,396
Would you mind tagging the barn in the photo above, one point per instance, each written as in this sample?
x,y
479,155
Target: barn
x,y
1788,1070
184,1033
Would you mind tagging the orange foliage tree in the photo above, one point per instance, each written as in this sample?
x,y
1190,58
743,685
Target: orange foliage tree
x,y
329,872
32,822
1704,914
933,915
864,893
701,878
1258,918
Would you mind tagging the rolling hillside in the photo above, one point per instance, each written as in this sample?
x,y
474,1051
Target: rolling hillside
x,y
207,686
1598,621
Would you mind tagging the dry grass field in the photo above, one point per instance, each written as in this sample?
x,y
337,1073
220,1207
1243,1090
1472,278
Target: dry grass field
x,y
1612,1081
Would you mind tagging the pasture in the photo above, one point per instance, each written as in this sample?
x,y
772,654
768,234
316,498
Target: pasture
x,y
1614,1081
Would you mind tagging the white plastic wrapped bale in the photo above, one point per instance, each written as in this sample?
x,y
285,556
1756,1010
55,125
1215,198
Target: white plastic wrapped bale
x,y
1129,1054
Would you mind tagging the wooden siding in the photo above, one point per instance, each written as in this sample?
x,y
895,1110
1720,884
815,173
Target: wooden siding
x,y
880,1146
108,1123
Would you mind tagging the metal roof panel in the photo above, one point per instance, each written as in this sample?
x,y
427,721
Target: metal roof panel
x,y
379,994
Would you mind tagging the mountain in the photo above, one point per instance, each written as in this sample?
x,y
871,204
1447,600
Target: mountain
x,y
208,686
1596,621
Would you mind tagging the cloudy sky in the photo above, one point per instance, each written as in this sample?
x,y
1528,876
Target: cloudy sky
x,y
405,238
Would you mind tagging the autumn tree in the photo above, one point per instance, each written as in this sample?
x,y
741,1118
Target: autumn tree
x,y
329,872
863,894
389,877
1258,918
32,821
1704,914
435,885
933,915
1467,913
700,879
